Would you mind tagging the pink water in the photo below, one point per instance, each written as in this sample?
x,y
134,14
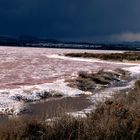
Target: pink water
x,y
29,66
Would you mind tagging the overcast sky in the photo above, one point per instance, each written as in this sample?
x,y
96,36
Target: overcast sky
x,y
91,20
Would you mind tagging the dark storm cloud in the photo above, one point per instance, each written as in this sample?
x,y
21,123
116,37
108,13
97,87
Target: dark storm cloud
x,y
70,19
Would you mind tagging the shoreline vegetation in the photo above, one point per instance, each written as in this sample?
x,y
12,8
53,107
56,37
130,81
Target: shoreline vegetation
x,y
116,118
93,82
129,56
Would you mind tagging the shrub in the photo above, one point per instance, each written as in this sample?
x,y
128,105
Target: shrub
x,y
112,56
90,81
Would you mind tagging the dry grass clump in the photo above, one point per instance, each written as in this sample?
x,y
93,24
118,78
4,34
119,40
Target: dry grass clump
x,y
67,128
62,128
115,119
23,128
91,81
132,56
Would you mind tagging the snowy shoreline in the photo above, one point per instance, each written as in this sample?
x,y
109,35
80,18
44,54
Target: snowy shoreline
x,y
13,101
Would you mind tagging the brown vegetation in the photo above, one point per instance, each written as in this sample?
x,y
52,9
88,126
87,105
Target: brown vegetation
x,y
92,81
112,56
116,119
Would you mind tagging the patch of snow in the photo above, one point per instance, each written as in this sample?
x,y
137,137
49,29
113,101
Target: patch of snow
x,y
13,101
56,56
100,97
83,113
109,92
135,70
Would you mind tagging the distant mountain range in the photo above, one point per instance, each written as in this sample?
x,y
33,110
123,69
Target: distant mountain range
x,y
31,41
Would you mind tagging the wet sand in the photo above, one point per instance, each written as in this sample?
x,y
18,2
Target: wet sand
x,y
54,107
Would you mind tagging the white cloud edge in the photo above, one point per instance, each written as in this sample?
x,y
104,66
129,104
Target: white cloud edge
x,y
126,36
